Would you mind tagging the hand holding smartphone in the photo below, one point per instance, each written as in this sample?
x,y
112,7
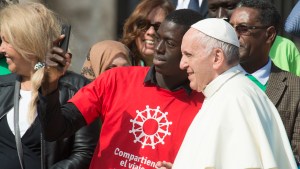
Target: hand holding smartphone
x,y
66,30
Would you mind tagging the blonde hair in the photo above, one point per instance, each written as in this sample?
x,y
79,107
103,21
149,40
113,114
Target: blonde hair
x,y
31,29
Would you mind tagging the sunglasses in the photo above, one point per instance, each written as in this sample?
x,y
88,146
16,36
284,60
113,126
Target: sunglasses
x,y
146,24
246,30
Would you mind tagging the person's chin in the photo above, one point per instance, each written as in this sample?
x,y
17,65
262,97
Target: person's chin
x,y
12,69
147,53
9,61
193,86
243,54
158,62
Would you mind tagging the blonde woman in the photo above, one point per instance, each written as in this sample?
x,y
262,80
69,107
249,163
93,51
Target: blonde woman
x,y
27,33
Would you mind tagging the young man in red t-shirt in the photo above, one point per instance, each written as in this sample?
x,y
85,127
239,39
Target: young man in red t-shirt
x,y
145,111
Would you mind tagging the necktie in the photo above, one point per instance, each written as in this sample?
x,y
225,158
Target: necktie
x,y
194,5
253,79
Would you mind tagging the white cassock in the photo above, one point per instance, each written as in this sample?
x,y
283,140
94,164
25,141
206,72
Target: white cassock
x,y
238,127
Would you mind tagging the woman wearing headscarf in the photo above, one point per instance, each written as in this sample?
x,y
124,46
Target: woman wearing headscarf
x,y
105,55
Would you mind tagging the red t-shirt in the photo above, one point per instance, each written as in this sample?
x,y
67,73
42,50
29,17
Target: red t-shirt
x,y
142,124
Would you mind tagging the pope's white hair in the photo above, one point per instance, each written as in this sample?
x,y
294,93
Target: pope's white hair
x,y
231,52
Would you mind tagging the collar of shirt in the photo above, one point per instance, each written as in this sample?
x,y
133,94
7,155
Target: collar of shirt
x,y
183,4
150,79
262,74
218,82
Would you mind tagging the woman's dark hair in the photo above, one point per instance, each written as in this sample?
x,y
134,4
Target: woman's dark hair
x,y
130,29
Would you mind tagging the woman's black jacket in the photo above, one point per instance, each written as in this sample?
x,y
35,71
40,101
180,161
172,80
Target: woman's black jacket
x,y
74,152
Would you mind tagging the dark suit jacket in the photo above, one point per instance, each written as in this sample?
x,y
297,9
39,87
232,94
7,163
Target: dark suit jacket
x,y
283,90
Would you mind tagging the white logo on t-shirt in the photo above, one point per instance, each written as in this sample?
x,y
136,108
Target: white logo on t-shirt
x,y
150,127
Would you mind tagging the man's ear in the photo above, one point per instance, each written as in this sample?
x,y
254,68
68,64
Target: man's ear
x,y
271,34
219,58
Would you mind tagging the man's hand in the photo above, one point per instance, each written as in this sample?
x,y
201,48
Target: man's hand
x,y
164,165
56,63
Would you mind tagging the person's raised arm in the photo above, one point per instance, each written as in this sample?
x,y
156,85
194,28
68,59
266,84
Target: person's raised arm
x,y
56,63
57,121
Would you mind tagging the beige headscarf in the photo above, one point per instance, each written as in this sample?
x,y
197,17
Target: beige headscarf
x,y
100,57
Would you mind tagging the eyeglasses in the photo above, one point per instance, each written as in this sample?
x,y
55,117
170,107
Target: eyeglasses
x,y
246,30
145,24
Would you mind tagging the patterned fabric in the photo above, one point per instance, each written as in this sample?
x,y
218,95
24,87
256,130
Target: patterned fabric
x,y
284,91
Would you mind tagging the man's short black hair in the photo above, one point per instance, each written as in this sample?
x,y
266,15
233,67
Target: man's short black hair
x,y
269,15
186,17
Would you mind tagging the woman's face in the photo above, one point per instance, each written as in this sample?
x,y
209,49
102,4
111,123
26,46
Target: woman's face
x,y
145,41
118,61
16,63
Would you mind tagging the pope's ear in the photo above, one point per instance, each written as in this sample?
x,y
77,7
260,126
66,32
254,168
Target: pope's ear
x,y
219,57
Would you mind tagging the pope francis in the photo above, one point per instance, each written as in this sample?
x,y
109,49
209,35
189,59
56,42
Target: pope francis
x,y
237,127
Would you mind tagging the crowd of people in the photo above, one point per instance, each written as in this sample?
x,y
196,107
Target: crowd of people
x,y
191,84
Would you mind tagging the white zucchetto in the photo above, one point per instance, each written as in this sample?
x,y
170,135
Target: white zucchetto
x,y
218,29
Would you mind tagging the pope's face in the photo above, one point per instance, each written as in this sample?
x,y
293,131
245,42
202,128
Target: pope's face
x,y
196,61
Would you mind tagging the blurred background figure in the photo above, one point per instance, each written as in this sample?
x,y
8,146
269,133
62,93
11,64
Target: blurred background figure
x,y
196,5
103,56
87,18
284,52
27,33
96,20
221,8
140,29
292,24
92,21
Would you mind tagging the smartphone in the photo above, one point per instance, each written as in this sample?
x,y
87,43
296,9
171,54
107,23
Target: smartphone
x,y
66,30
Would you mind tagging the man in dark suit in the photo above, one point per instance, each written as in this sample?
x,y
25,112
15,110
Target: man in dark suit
x,y
256,23
196,5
